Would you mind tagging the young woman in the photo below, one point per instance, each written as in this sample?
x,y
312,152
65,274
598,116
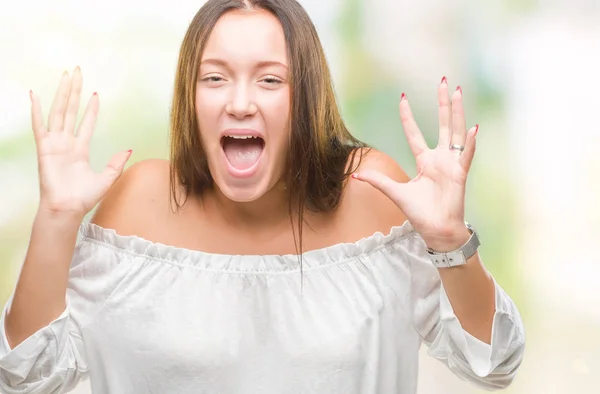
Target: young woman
x,y
255,260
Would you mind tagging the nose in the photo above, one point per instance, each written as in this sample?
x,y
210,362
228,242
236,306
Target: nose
x,y
241,103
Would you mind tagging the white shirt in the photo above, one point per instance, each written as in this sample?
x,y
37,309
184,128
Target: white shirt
x,y
143,317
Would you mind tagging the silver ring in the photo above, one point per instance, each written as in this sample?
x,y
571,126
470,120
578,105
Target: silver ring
x,y
457,147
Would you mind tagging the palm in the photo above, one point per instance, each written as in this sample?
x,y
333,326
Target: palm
x,y
434,196
434,200
67,182
67,177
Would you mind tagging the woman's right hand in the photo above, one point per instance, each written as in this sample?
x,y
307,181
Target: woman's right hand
x,y
67,182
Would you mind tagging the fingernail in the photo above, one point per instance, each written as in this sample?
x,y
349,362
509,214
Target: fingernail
x,y
77,68
402,97
31,94
95,94
129,151
354,176
476,129
459,89
444,80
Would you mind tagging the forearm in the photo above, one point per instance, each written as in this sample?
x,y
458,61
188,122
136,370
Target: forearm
x,y
40,292
471,291
470,288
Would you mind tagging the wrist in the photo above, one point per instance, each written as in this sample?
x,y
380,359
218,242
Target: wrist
x,y
45,216
450,241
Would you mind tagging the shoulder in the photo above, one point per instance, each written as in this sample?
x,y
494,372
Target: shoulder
x,y
373,159
138,198
366,205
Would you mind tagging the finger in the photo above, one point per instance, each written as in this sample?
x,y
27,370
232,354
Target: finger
x,y
467,156
57,110
459,126
86,127
36,117
114,169
73,102
444,114
381,182
414,136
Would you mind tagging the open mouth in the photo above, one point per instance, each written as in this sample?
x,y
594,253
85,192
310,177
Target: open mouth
x,y
242,151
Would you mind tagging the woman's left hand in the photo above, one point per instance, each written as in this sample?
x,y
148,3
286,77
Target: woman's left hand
x,y
434,201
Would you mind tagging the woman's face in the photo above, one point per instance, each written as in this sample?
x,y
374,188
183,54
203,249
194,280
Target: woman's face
x,y
243,103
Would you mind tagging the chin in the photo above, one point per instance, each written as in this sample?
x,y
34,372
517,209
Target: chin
x,y
242,193
250,187
246,186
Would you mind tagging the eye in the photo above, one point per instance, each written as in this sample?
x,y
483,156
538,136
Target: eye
x,y
212,78
272,80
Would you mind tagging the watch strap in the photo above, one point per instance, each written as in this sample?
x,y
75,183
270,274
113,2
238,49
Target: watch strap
x,y
458,256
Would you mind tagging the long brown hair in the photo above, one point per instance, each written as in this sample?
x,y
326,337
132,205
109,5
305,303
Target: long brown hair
x,y
322,151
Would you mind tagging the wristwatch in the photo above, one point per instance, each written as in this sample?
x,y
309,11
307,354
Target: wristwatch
x,y
458,256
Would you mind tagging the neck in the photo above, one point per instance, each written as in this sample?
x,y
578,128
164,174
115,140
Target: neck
x,y
272,209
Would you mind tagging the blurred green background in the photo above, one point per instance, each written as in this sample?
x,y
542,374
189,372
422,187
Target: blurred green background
x,y
529,73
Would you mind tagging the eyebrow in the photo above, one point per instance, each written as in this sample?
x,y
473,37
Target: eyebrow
x,y
260,64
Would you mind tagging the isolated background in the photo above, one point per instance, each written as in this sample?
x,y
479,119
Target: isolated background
x,y
530,73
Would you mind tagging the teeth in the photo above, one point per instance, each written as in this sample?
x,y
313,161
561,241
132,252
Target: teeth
x,y
241,137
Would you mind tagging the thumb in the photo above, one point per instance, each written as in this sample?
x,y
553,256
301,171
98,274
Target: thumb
x,y
381,182
114,168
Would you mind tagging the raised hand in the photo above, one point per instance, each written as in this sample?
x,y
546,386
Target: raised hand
x,y
434,200
67,182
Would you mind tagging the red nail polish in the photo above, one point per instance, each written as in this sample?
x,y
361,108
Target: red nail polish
x,y
444,80
403,97
95,94
129,151
476,129
459,89
354,176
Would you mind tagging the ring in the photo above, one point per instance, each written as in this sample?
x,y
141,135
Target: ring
x,y
457,147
